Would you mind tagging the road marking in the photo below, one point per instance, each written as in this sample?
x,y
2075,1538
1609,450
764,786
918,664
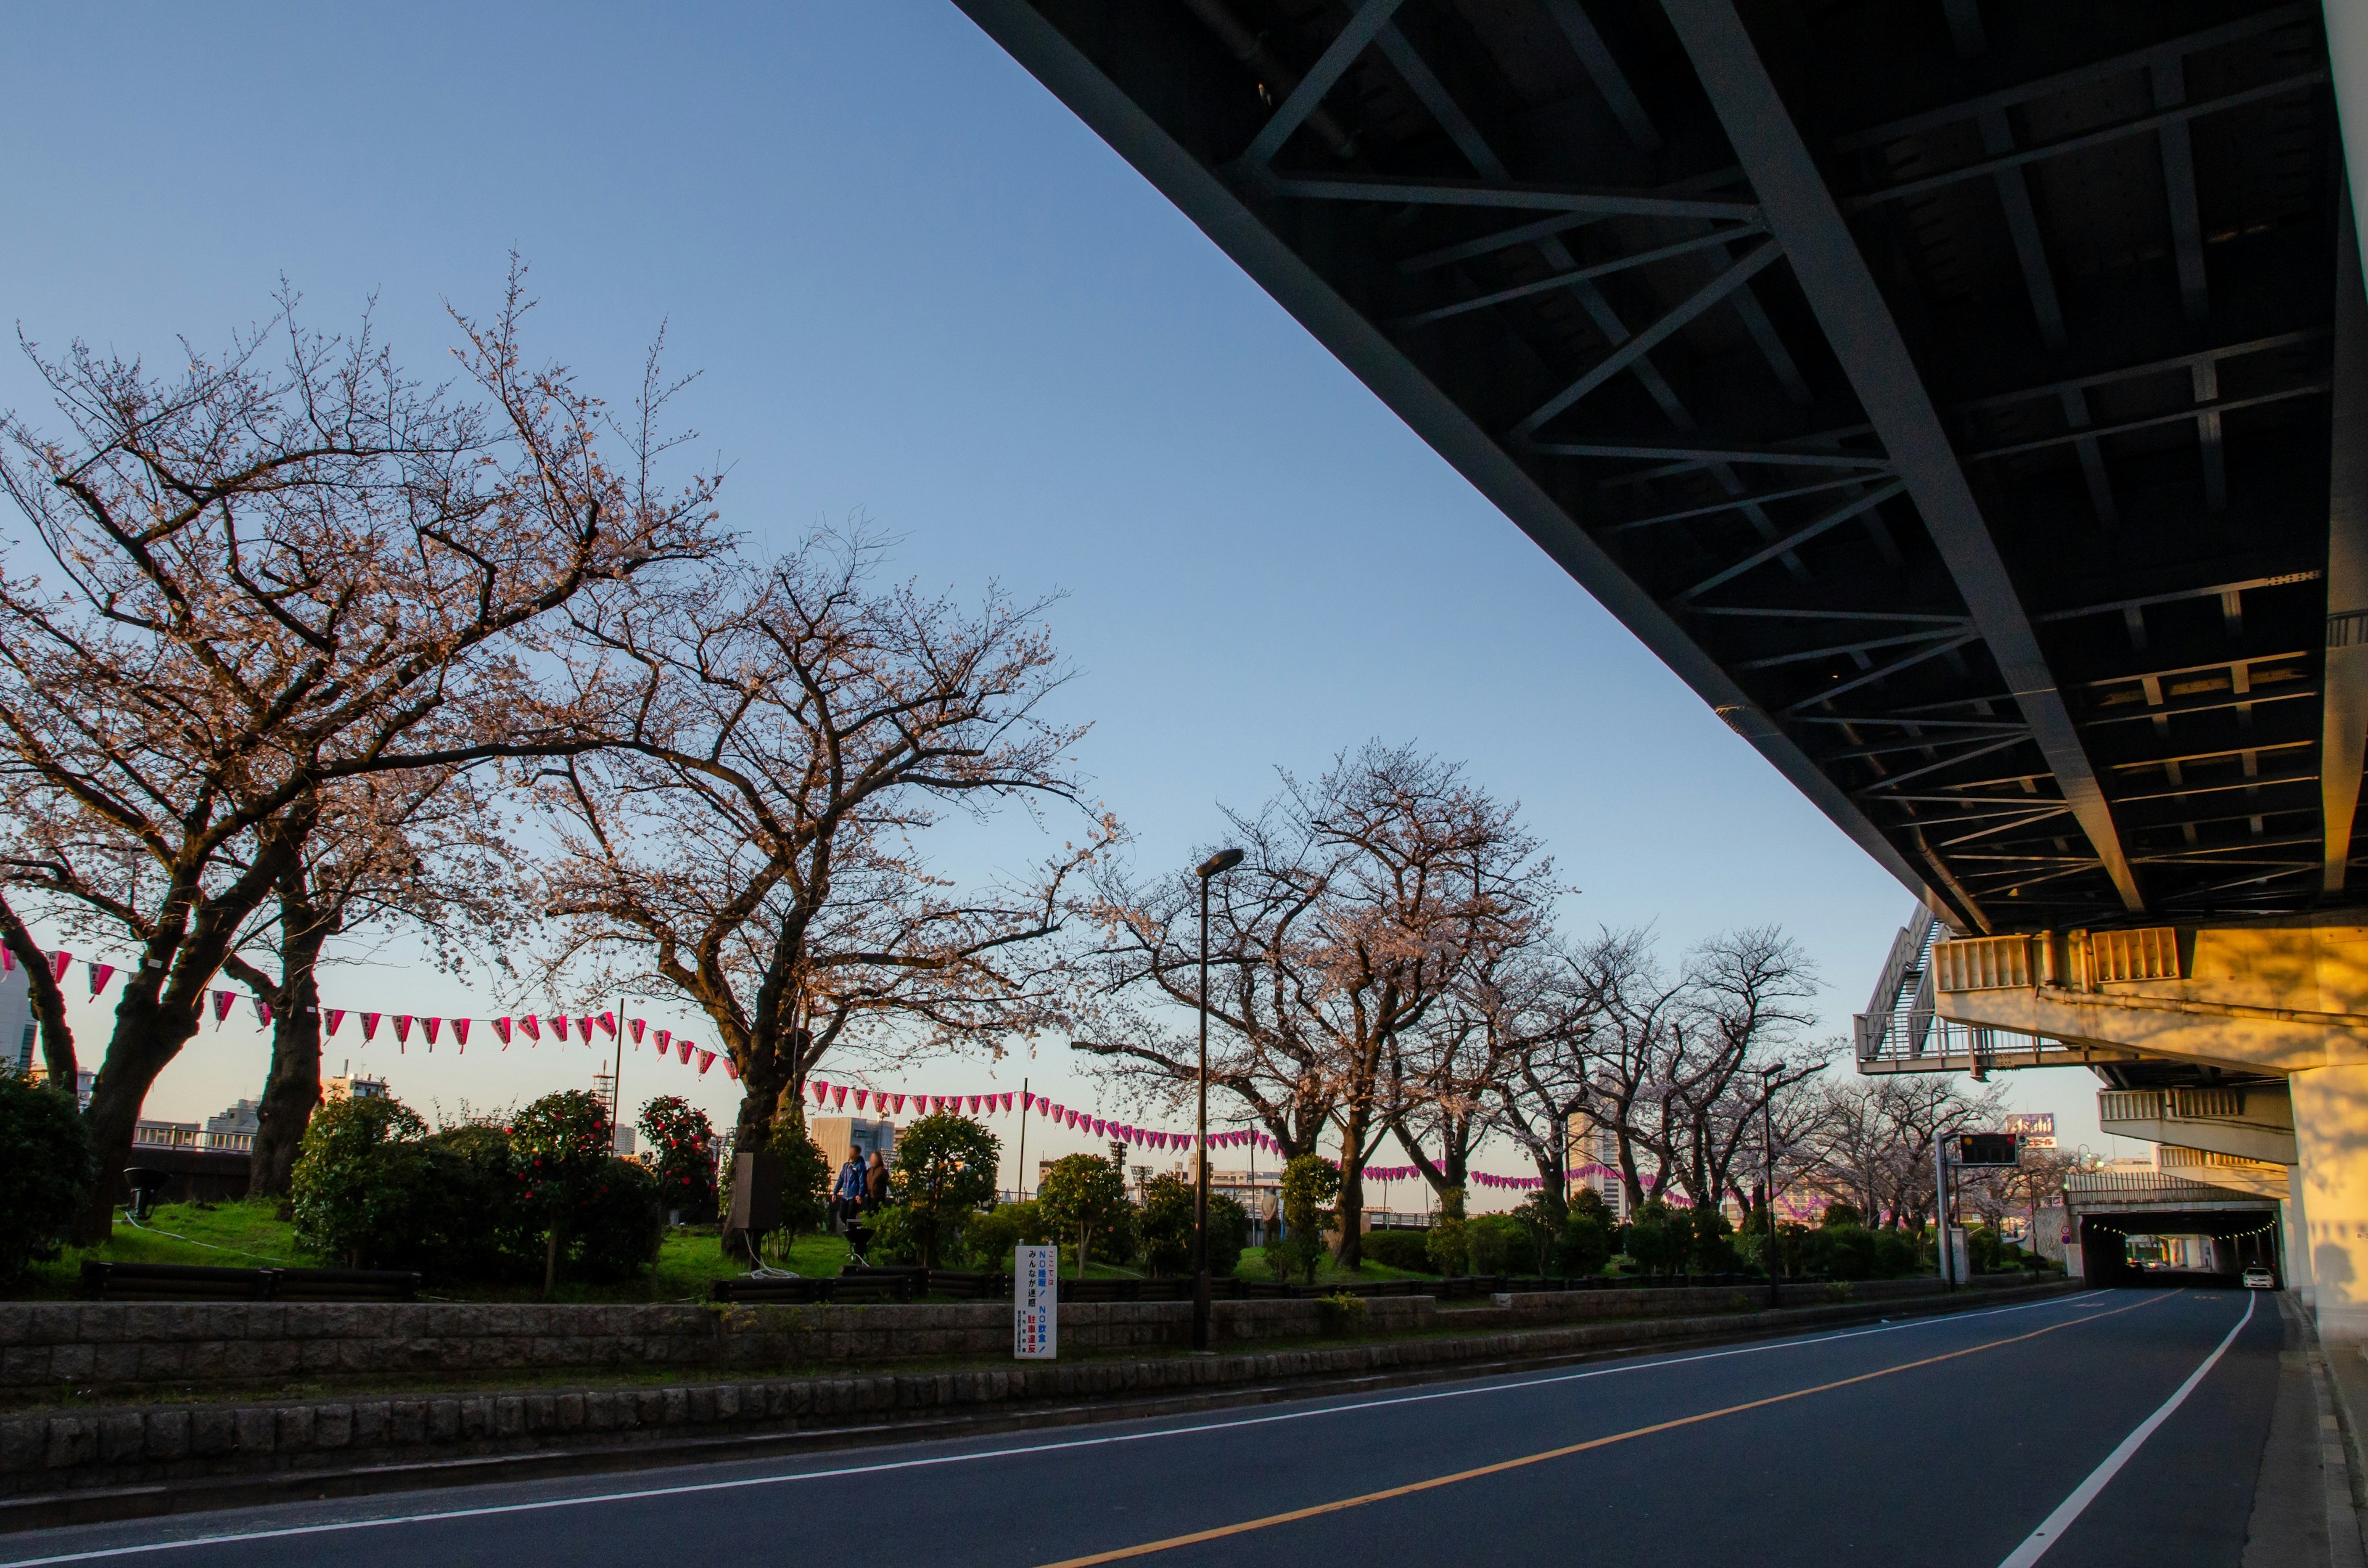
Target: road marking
x,y
1022,1450
1501,1466
2052,1529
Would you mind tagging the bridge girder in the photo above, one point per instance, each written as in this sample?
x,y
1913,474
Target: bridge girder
x,y
1964,439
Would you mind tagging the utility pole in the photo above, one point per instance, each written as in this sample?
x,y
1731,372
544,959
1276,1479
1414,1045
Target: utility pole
x,y
1940,1210
1020,1177
1768,1139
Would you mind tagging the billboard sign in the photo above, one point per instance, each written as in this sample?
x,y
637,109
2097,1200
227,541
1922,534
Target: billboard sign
x,y
2035,1128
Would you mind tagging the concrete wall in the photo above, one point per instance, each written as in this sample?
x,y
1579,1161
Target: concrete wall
x,y
46,1345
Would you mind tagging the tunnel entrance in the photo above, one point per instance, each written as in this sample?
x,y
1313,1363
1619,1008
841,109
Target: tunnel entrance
x,y
2140,1246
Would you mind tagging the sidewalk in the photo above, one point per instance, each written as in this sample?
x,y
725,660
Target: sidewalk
x,y
2306,1506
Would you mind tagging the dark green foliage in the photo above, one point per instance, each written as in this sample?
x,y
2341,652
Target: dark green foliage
x,y
1082,1196
681,1153
1853,1252
1842,1214
805,1176
1164,1228
560,1149
464,1210
357,1182
991,1239
613,1234
1309,1182
1229,1232
477,1201
944,1174
1588,1204
1501,1244
1585,1246
1446,1244
45,1170
1712,1248
1658,1238
1400,1249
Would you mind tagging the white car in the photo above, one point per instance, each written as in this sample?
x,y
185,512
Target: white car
x,y
2259,1277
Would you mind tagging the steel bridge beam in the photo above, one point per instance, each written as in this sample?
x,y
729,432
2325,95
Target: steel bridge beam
x,y
1801,211
1222,213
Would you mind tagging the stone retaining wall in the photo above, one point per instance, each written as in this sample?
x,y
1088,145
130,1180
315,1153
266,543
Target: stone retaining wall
x,y
49,1347
52,1454
52,1349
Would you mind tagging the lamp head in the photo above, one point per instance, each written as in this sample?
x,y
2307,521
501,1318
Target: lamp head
x,y
1222,860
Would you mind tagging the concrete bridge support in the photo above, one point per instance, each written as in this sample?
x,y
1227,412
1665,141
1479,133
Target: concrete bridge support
x,y
2332,1121
2275,1009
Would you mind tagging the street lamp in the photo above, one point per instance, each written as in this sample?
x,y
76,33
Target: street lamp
x,y
1768,1142
1222,861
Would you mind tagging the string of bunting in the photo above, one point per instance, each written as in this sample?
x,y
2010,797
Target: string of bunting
x,y
562,1027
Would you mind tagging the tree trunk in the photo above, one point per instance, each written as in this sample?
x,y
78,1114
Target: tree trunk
x,y
551,1261
1352,1211
147,1038
291,1089
49,1003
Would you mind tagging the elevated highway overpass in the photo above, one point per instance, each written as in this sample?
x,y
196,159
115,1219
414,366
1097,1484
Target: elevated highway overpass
x,y
1963,397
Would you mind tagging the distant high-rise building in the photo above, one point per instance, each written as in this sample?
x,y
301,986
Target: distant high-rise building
x,y
19,1035
243,1116
1594,1159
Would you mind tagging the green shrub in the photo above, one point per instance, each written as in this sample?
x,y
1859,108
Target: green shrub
x,y
613,1234
1309,1183
1586,1244
1163,1227
944,1175
1659,1238
1896,1254
1229,1233
1400,1249
560,1151
355,1190
1712,1247
991,1239
1084,1195
895,1239
1343,1311
464,1211
1447,1246
805,1174
681,1153
45,1171
1501,1244
1842,1214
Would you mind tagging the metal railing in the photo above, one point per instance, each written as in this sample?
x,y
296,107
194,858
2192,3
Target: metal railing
x,y
157,1135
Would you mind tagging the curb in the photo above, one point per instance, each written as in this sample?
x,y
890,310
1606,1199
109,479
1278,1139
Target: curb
x,y
150,1500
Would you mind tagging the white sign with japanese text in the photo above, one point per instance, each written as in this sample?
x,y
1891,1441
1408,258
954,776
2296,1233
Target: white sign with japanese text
x,y
1035,1291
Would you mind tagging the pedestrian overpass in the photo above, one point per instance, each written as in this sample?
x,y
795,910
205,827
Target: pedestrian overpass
x,y
1962,396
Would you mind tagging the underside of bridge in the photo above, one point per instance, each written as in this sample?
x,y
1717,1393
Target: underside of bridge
x,y
1962,396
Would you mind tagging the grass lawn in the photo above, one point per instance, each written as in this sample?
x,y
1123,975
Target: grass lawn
x,y
250,1234
1253,1266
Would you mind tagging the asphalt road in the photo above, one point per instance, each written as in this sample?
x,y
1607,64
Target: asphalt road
x,y
1944,1442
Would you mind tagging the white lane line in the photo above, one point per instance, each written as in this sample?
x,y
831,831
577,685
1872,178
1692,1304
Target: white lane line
x,y
1018,1451
2052,1529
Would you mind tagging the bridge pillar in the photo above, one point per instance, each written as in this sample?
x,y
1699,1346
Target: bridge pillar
x,y
2331,1124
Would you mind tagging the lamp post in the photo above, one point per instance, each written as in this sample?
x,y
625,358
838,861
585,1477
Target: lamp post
x,y
1768,1139
1222,861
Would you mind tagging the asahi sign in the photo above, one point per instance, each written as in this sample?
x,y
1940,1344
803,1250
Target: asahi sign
x,y
2036,1129
1035,1303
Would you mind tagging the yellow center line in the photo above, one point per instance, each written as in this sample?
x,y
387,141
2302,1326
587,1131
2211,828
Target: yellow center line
x,y
1222,1531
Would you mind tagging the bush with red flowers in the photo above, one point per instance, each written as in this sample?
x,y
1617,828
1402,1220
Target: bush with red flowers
x,y
597,1212
680,1144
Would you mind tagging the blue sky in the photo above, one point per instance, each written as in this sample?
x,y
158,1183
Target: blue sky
x,y
916,287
